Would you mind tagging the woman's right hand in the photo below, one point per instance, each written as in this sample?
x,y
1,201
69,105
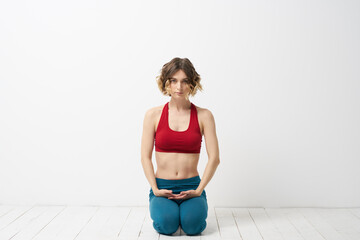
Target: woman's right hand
x,y
164,193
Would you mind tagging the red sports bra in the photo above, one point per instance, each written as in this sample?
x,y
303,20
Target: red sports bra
x,y
168,140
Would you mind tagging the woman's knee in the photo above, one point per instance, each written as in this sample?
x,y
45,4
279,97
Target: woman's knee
x,y
165,215
193,214
193,225
166,224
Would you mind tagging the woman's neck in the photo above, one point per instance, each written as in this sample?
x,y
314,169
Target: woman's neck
x,y
180,104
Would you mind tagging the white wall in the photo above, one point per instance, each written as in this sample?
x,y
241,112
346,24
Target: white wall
x,y
280,77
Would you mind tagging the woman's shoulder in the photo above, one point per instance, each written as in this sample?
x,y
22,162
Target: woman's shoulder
x,y
204,113
155,111
156,108
205,118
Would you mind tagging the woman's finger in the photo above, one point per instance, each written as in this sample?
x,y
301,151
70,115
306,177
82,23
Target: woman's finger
x,y
176,194
179,196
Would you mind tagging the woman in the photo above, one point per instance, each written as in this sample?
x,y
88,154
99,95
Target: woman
x,y
177,196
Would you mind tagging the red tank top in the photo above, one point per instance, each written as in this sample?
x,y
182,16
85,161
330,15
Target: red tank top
x,y
168,140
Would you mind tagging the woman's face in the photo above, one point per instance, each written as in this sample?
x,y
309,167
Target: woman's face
x,y
179,84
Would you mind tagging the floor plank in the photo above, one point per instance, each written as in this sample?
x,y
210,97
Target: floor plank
x,y
114,223
133,224
68,224
246,225
227,225
319,223
147,231
100,226
285,227
25,219
35,227
343,221
211,231
12,215
266,227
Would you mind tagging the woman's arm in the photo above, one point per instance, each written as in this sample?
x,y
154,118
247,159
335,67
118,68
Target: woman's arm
x,y
147,145
212,149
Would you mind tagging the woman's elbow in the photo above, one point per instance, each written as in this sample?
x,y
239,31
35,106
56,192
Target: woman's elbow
x,y
216,161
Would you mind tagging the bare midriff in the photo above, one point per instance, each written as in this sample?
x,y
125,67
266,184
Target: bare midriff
x,y
176,166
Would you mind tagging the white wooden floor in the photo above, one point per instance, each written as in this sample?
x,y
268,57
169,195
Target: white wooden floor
x,y
103,223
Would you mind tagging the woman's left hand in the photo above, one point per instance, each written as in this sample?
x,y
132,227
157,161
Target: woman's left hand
x,y
186,194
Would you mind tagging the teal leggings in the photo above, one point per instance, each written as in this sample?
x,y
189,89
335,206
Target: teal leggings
x,y
169,214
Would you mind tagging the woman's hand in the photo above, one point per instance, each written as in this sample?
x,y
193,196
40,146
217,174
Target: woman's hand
x,y
186,194
164,193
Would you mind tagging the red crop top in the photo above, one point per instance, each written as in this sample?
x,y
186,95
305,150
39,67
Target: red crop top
x,y
168,140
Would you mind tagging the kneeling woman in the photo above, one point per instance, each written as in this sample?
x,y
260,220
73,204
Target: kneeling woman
x,y
177,196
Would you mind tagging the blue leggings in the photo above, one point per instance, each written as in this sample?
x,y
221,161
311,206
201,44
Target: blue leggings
x,y
169,214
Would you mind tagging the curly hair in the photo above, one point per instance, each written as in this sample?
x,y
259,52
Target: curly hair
x,y
170,68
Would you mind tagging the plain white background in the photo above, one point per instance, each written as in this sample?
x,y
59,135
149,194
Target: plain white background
x,y
280,77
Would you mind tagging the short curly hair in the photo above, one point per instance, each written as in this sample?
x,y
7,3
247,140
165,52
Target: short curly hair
x,y
170,68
